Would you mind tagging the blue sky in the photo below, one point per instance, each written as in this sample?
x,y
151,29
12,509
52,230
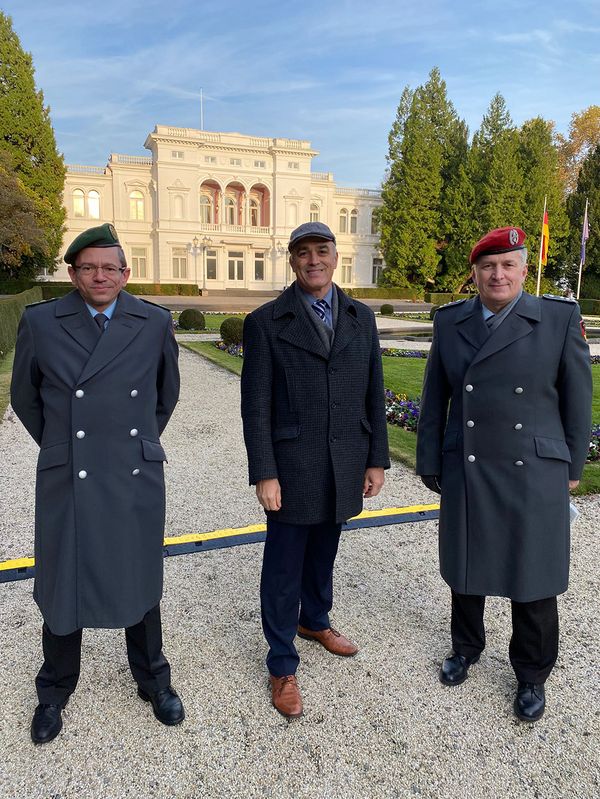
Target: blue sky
x,y
329,72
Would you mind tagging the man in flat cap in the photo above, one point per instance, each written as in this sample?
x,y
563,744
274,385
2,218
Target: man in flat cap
x,y
95,381
315,431
503,435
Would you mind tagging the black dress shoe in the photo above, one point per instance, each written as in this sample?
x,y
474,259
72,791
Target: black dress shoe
x,y
46,723
455,668
530,701
167,706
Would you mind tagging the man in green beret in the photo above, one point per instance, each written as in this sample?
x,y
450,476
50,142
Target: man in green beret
x,y
95,382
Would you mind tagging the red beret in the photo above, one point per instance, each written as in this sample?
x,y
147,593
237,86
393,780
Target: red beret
x,y
502,239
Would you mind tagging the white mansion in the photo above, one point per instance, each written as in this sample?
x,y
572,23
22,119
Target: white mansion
x,y
216,209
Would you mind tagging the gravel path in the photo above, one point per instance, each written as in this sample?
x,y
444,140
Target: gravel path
x,y
377,725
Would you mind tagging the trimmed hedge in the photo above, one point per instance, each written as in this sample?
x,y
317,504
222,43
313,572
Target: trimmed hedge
x,y
386,309
590,307
11,309
232,330
192,319
382,293
55,288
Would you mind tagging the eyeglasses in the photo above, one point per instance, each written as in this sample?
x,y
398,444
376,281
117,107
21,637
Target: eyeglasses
x,y
109,271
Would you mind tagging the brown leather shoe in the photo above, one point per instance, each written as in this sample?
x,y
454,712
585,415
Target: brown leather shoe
x,y
286,696
333,641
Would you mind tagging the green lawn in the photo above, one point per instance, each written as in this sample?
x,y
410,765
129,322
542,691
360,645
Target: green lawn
x,y
5,373
405,376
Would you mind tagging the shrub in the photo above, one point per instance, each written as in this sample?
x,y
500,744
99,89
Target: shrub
x,y
433,310
192,319
11,309
386,309
232,330
590,307
387,293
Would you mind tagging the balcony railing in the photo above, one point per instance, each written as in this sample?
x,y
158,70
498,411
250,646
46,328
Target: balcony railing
x,y
86,169
209,227
358,192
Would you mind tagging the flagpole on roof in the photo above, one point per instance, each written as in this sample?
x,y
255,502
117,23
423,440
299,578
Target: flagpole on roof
x,y
585,233
544,228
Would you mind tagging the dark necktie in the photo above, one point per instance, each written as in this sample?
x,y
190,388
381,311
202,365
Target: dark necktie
x,y
100,319
490,321
320,307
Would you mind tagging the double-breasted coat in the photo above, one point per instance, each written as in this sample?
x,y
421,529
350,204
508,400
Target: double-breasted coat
x,y
96,405
313,419
505,421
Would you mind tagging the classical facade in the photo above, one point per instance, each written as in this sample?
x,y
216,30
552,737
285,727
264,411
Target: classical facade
x,y
216,209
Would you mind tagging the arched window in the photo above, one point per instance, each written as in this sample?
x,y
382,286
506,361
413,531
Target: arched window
x,y
206,209
254,213
78,203
93,205
344,220
136,206
374,222
229,211
353,220
314,212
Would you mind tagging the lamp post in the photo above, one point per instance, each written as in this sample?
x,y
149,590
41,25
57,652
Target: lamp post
x,y
194,250
281,253
206,243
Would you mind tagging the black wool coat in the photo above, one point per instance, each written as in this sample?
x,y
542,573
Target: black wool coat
x,y
97,405
505,421
312,419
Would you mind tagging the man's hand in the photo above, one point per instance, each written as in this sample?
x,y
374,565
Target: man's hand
x,y
432,481
373,482
269,493
573,484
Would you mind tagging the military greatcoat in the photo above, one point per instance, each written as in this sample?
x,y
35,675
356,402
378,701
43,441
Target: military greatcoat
x,y
313,419
505,421
96,405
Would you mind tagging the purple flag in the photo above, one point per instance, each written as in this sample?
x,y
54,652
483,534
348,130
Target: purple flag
x,y
585,234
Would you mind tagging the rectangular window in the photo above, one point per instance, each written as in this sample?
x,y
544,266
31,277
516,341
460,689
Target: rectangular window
x,y
259,266
235,265
211,264
346,270
180,262
293,165
177,154
235,161
138,262
210,159
377,270
260,164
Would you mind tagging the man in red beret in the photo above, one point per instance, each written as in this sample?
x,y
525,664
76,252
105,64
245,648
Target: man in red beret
x,y
503,435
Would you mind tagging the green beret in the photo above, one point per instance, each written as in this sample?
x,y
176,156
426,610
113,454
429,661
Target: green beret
x,y
101,236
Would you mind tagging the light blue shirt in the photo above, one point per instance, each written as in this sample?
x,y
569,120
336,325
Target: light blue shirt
x,y
503,312
108,312
328,299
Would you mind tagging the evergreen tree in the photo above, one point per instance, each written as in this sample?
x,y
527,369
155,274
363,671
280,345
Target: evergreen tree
x,y
425,146
588,188
27,137
540,167
21,239
495,171
458,218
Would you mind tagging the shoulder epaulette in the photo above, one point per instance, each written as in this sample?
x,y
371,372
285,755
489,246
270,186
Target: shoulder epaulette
x,y
451,304
558,297
41,302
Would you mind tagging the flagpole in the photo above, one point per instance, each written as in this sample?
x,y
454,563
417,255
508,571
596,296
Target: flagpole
x,y
539,272
581,259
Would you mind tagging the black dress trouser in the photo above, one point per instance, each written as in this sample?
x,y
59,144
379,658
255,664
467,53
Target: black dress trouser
x,y
57,679
533,646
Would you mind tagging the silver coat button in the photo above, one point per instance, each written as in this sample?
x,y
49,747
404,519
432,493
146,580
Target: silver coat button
x,y
518,390
469,387
518,426
135,472
518,463
82,474
80,434
133,432
79,393
471,458
470,423
133,393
